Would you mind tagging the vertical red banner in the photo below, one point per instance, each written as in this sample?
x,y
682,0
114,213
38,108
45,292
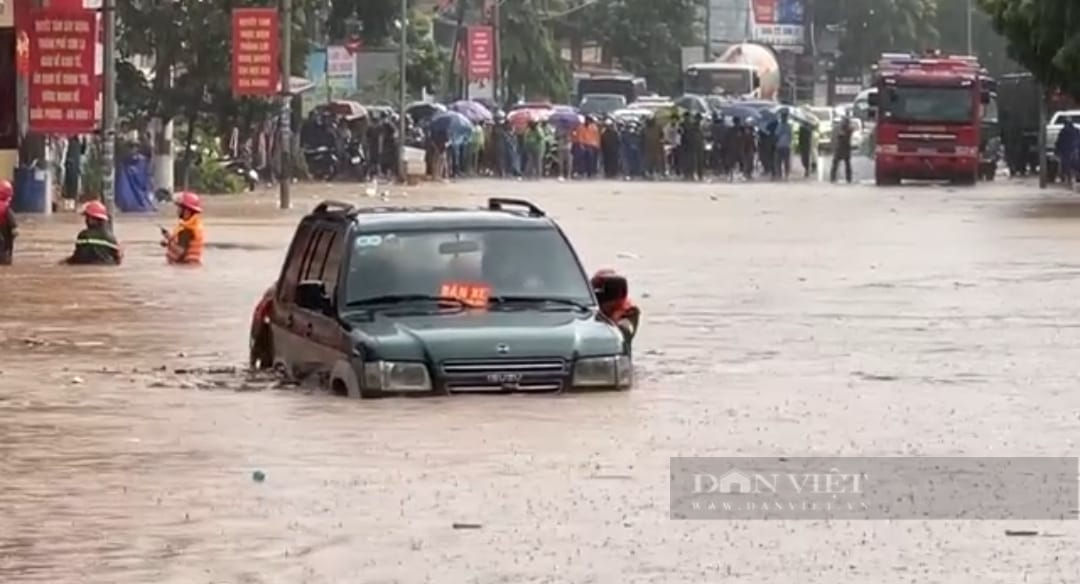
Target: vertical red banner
x,y
62,88
480,54
255,64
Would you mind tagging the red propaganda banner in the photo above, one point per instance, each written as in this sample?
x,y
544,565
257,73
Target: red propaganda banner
x,y
255,66
481,57
62,88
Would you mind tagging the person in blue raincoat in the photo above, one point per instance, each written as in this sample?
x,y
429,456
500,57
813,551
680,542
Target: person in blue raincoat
x,y
1067,148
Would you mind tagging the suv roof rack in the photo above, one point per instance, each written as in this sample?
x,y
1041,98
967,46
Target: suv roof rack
x,y
500,204
330,206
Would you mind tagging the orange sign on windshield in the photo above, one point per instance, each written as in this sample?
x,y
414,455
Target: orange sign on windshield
x,y
471,293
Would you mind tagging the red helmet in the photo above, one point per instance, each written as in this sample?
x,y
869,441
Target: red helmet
x,y
95,210
190,201
600,275
6,192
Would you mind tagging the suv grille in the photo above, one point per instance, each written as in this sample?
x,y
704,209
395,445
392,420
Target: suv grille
x,y
504,375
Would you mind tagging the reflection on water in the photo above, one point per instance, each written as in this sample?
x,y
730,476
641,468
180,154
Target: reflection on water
x,y
777,323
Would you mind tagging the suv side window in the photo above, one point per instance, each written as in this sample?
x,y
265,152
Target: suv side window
x,y
298,252
313,268
332,267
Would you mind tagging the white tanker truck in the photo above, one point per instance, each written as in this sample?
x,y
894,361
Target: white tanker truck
x,y
747,70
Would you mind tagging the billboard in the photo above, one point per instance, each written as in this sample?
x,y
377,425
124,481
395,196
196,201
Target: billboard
x,y
255,65
780,23
62,55
480,54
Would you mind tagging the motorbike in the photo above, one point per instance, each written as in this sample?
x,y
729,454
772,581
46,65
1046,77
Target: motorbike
x,y
322,163
355,160
240,168
989,156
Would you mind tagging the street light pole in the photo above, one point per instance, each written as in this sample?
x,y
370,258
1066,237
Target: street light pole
x,y
404,62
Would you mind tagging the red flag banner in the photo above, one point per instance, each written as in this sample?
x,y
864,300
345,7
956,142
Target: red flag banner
x,y
255,64
62,88
480,52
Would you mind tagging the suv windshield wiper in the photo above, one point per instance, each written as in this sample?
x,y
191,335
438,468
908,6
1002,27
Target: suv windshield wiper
x,y
537,300
403,299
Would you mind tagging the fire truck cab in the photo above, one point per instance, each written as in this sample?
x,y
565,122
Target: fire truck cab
x,y
929,114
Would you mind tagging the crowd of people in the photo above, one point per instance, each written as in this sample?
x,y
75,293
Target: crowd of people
x,y
691,146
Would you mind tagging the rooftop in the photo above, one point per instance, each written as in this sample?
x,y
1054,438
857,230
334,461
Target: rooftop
x,y
499,214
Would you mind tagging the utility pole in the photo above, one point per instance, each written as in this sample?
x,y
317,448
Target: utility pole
x,y
496,28
1044,175
108,105
708,32
970,43
285,125
403,87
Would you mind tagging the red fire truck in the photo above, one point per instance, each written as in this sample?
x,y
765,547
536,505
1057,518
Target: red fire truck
x,y
929,112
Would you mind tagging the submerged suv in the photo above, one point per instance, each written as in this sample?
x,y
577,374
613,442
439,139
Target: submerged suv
x,y
394,300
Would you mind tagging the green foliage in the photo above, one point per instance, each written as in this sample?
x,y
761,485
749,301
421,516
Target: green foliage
x,y
425,69
372,19
532,64
645,36
207,175
1044,36
92,178
192,40
873,27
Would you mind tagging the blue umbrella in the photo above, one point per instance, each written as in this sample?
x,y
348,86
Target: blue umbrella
x,y
456,126
565,118
472,110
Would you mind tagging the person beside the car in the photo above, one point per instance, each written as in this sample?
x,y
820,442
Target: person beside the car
x,y
8,228
622,311
95,245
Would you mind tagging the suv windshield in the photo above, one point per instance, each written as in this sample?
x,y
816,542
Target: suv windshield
x,y
505,263
930,104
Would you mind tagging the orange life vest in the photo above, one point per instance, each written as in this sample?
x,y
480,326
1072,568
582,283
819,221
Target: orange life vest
x,y
193,255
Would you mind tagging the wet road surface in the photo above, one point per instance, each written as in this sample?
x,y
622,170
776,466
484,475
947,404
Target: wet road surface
x,y
788,320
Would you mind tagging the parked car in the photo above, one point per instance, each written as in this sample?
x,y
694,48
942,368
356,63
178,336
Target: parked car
x,y
429,301
1053,128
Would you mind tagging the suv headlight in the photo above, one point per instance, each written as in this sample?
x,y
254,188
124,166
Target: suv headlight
x,y
613,371
396,376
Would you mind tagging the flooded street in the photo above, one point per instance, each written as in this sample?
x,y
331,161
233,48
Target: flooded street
x,y
794,320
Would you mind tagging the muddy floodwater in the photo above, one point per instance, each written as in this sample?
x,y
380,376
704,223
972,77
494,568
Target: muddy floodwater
x,y
790,320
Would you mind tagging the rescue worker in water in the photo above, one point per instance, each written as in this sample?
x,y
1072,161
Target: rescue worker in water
x,y
95,245
618,307
8,229
184,244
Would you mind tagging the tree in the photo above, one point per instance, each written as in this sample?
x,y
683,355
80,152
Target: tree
x,y
987,44
646,37
186,41
1042,35
872,27
371,20
426,65
532,64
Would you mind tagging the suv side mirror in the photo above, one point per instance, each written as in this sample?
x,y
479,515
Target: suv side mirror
x,y
611,288
311,295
